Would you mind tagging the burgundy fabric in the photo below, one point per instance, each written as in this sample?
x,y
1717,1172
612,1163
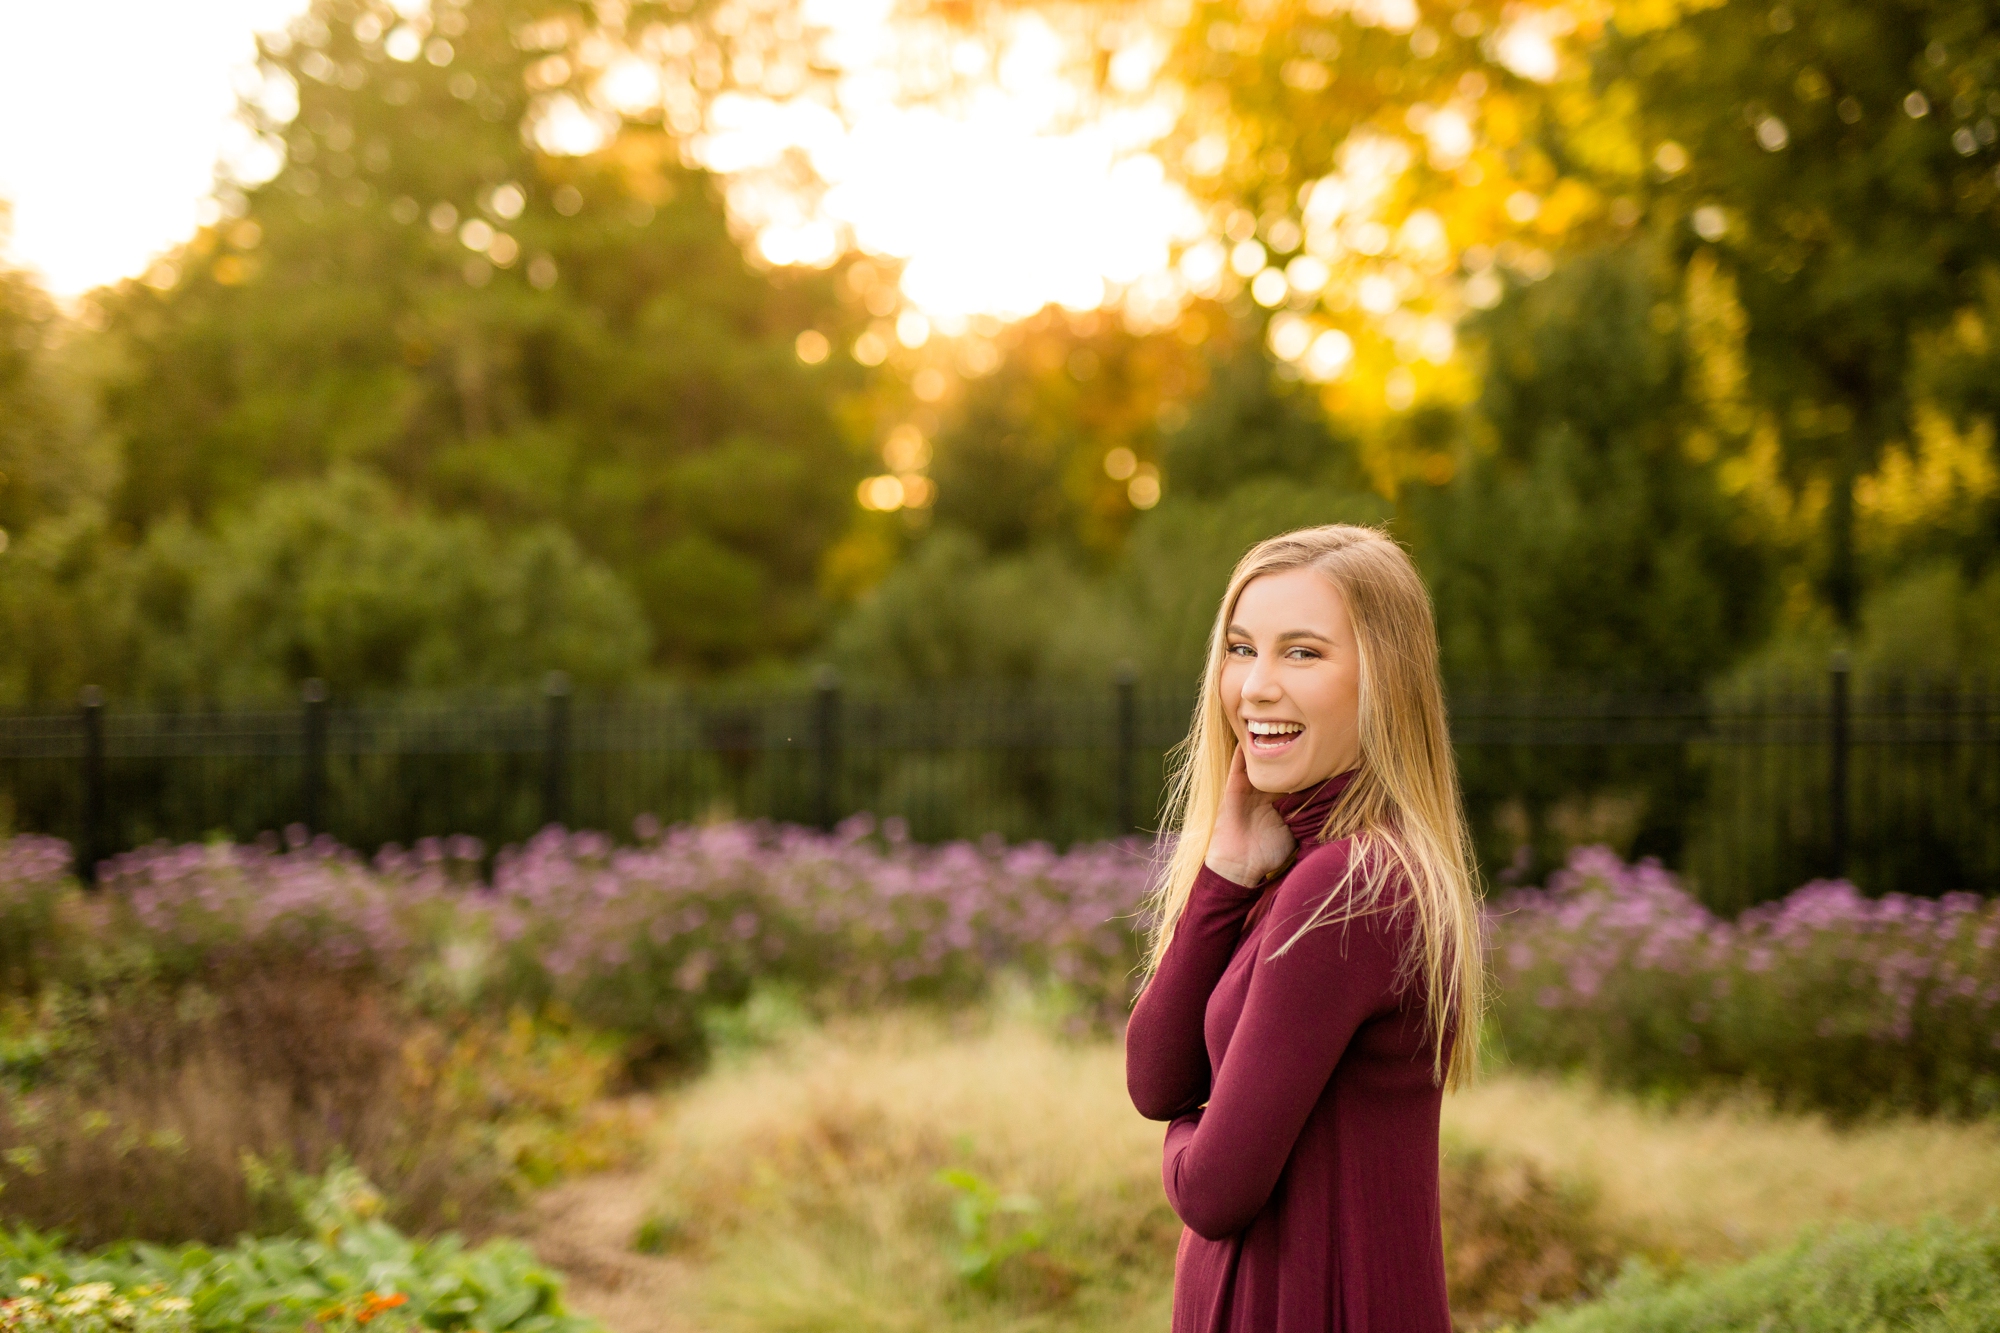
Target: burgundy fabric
x,y
1303,1153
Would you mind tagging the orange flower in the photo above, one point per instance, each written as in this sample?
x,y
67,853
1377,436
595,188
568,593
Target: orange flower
x,y
376,1302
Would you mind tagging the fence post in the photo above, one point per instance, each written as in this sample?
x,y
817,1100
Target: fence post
x,y
555,753
826,745
1127,682
91,702
312,784
1837,740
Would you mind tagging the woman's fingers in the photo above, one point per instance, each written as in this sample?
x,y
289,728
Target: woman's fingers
x,y
1239,773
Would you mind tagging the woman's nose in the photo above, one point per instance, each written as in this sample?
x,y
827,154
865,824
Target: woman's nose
x,y
1260,685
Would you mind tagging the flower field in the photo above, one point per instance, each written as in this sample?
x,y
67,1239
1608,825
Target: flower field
x,y
1826,999
186,1050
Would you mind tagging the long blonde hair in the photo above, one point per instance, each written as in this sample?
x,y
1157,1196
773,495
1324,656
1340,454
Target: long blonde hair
x,y
1402,809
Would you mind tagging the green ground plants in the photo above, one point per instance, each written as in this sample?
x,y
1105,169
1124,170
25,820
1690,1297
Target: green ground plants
x,y
351,1268
1936,1278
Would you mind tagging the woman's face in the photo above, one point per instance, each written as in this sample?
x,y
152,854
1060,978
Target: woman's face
x,y
1291,680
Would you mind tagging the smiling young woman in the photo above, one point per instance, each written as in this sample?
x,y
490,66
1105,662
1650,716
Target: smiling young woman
x,y
1317,971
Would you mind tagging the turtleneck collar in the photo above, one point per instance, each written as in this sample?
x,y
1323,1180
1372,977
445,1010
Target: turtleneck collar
x,y
1304,811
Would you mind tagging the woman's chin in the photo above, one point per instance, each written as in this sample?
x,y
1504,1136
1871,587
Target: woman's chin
x,y
1273,777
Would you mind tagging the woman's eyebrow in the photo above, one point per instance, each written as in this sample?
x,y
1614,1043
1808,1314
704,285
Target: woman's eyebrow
x,y
1237,631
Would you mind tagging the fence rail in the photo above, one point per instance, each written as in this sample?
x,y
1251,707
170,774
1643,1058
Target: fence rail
x,y
1750,796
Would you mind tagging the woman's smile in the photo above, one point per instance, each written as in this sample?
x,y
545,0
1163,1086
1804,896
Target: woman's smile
x,y
1271,736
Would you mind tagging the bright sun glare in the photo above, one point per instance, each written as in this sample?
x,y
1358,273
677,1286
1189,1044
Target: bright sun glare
x,y
1010,189
116,112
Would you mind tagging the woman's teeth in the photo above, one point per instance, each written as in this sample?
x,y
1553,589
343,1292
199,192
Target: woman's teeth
x,y
1273,735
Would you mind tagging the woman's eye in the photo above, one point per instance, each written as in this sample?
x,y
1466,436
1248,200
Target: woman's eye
x,y
1241,650
1301,654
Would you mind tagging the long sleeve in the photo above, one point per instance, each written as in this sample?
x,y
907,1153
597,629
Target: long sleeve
x,y
1301,1010
1166,1051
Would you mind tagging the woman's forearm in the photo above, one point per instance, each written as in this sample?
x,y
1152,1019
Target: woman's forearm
x,y
1166,1051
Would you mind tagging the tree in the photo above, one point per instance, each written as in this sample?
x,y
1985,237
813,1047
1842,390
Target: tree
x,y
425,290
337,578
1375,169
1838,158
1585,533
50,462
1059,442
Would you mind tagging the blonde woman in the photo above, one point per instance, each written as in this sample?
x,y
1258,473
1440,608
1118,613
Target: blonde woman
x,y
1316,970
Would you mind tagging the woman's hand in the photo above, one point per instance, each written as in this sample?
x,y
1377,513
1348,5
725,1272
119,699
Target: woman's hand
x,y
1249,840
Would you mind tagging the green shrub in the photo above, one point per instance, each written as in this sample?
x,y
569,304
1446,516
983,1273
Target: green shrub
x,y
1938,1278
355,1264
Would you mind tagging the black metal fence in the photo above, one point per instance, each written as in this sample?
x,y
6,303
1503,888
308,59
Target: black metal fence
x,y
1750,796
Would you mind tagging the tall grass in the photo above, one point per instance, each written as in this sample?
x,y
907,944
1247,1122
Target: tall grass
x,y
827,1185
810,1184
1710,1181
174,1115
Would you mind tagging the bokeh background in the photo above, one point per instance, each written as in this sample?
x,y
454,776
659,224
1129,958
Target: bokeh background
x,y
805,441
930,349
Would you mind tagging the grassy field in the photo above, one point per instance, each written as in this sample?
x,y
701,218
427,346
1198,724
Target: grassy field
x,y
909,1172
1712,1183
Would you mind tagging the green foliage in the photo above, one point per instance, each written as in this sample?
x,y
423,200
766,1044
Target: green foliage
x,y
1929,637
340,579
951,612
1579,537
1933,623
610,365
50,461
991,1226
1247,424
283,1283
1020,458
1937,1278
1840,148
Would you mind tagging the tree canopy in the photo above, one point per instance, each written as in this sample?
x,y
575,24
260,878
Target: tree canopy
x,y
422,292
1662,333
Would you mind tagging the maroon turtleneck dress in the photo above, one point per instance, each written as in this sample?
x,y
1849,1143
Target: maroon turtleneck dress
x,y
1303,1153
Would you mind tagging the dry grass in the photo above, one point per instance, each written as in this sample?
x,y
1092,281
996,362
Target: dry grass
x,y
796,1190
803,1186
806,1181
169,1113
1722,1181
178,1116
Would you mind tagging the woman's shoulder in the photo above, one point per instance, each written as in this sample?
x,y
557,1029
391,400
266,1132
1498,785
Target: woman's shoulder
x,y
1321,862
1361,871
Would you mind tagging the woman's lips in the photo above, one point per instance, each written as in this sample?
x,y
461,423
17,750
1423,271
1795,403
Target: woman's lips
x,y
1264,743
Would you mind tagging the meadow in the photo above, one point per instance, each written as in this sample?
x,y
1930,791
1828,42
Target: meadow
x,y
984,1171
747,1077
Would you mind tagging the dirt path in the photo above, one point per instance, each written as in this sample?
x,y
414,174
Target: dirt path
x,y
584,1229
